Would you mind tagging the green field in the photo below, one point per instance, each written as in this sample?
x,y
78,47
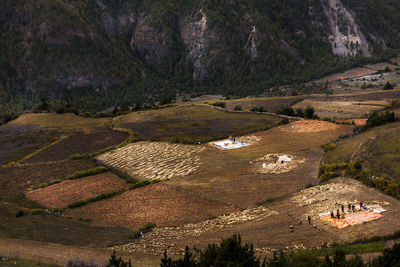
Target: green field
x,y
378,149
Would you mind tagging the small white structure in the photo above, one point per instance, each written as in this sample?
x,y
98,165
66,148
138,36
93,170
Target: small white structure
x,y
229,144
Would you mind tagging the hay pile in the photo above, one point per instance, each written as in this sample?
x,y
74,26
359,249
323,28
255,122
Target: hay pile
x,y
308,126
164,238
271,163
249,140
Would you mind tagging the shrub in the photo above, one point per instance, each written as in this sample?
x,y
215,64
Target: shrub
x,y
237,107
78,156
220,104
20,213
28,189
288,112
118,262
329,146
97,198
140,184
85,173
258,109
37,211
147,227
230,252
329,171
144,183
11,164
43,185
284,121
77,204
55,181
376,119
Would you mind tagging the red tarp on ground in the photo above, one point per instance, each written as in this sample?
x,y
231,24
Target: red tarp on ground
x,y
352,219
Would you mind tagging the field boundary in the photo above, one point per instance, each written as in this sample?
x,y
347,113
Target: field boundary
x,y
43,148
246,112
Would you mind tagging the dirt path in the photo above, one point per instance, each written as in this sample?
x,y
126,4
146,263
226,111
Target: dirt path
x,y
59,254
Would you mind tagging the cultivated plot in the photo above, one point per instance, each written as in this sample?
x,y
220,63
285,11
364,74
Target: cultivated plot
x,y
15,180
270,230
63,194
79,144
193,124
155,160
158,203
342,109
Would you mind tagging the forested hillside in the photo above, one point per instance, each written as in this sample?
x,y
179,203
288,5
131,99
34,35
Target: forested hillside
x,y
96,54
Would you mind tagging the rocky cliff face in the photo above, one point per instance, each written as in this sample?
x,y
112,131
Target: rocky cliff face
x,y
345,36
198,39
102,43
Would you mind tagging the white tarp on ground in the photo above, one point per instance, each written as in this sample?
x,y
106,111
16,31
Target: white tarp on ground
x,y
284,158
375,208
229,144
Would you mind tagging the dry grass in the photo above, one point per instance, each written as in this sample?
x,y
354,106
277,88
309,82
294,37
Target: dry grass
x,y
192,124
65,193
341,109
67,121
157,203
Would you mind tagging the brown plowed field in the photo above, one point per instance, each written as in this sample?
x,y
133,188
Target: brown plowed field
x,y
158,203
79,144
65,193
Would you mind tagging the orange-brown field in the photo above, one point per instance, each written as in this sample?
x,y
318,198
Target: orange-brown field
x,y
67,192
158,203
350,74
309,126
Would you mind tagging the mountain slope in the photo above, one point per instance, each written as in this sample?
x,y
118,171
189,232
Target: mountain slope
x,y
100,53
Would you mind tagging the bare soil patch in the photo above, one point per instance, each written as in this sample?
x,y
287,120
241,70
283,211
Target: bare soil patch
x,y
157,203
155,160
79,144
309,126
67,192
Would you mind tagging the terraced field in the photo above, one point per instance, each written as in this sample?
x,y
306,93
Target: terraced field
x,y
158,203
67,192
79,144
155,160
342,109
193,124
